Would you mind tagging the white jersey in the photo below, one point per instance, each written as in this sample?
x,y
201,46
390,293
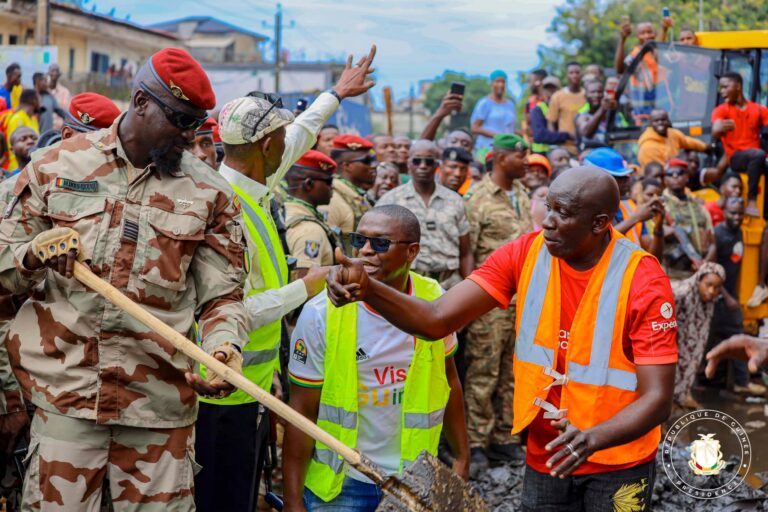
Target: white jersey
x,y
384,354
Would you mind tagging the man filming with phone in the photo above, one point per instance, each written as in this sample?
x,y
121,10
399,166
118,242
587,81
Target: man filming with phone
x,y
592,118
452,103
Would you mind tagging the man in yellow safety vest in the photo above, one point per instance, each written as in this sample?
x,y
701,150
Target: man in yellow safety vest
x,y
371,385
261,142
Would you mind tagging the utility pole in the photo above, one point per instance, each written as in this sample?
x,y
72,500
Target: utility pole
x,y
41,24
278,26
410,113
701,15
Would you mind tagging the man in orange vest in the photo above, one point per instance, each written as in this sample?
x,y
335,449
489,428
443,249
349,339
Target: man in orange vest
x,y
596,344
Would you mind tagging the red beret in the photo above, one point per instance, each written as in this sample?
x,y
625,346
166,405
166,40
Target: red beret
x,y
316,161
351,143
216,136
676,162
182,76
208,126
90,111
489,156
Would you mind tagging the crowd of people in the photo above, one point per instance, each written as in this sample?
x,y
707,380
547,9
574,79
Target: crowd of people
x,y
512,290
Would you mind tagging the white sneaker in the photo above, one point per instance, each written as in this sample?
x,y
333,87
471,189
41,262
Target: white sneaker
x,y
759,295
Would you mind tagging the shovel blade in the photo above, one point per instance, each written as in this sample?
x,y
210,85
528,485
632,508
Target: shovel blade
x,y
430,482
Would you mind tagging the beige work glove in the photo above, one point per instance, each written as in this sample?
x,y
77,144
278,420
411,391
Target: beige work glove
x,y
57,241
234,359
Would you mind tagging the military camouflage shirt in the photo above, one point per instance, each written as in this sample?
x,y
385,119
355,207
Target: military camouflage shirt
x,y
310,240
443,221
170,241
497,216
10,391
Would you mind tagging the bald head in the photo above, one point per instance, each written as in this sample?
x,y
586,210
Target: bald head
x,y
424,147
590,188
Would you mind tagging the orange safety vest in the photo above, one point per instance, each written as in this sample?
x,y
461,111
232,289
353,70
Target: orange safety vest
x,y
599,380
635,233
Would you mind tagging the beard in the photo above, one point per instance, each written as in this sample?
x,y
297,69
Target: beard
x,y
165,159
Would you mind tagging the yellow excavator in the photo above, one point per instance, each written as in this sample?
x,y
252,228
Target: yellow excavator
x,y
685,84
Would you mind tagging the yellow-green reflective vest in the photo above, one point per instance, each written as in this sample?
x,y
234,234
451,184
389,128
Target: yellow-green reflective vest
x,y
538,147
260,354
423,405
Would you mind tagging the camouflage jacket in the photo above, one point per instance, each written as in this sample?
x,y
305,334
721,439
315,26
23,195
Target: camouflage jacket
x,y
443,221
496,218
170,241
10,391
347,207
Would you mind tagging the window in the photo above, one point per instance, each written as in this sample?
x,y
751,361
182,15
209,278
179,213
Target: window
x,y
762,97
71,62
13,39
1,38
99,62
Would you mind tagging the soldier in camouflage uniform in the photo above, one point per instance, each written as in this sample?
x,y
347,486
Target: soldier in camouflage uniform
x,y
310,240
356,166
499,212
446,254
113,399
94,111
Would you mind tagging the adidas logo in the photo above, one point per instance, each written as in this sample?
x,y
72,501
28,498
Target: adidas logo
x,y
361,355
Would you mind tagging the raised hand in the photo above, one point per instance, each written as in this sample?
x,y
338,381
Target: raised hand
x,y
355,80
348,281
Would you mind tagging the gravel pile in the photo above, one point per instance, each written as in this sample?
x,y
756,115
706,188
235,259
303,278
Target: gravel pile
x,y
502,486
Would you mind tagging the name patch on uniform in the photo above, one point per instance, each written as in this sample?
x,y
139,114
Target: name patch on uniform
x,y
77,186
311,248
300,351
431,225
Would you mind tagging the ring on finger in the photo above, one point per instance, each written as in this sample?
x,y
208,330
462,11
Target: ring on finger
x,y
569,448
575,454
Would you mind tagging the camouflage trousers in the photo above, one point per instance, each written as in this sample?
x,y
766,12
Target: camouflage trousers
x,y
489,384
69,458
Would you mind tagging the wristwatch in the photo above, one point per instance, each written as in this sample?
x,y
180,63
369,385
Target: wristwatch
x,y
331,91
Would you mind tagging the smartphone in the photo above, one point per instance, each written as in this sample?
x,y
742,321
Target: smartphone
x,y
665,12
301,105
611,93
457,88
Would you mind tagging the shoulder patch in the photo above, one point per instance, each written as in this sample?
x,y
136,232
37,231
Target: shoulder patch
x,y
312,248
300,351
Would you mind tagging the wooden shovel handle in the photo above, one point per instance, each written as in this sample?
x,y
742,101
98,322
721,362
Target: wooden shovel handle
x,y
112,294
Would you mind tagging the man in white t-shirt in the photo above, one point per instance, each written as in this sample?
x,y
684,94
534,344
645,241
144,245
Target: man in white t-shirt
x,y
387,240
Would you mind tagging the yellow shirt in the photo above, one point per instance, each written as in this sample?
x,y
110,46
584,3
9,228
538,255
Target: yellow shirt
x,y
17,120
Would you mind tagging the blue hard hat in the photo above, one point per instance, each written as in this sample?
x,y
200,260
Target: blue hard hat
x,y
608,160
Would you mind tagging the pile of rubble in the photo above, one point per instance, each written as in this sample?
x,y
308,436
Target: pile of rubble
x,y
502,487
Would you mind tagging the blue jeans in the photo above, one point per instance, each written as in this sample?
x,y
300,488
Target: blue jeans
x,y
355,496
599,492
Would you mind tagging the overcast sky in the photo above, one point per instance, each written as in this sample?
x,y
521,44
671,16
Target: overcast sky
x,y
416,39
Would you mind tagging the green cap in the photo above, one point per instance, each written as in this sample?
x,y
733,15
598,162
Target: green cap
x,y
510,142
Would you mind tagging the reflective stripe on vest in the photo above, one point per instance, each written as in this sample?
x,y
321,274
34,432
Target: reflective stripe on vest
x,y
424,397
261,353
597,372
627,208
540,147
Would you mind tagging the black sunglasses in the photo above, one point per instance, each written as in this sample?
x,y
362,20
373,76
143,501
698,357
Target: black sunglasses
x,y
377,244
675,174
367,159
417,161
180,120
274,99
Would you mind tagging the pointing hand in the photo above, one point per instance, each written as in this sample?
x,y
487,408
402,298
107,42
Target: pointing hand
x,y
347,281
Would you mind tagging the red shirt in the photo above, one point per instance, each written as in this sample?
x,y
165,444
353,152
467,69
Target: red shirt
x,y
748,120
715,212
649,337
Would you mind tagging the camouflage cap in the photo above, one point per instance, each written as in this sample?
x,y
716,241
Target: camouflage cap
x,y
510,142
238,120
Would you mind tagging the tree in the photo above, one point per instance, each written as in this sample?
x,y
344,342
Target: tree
x,y
588,29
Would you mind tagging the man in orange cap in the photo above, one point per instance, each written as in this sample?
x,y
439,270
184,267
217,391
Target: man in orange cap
x,y
356,173
310,240
204,147
113,399
537,171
